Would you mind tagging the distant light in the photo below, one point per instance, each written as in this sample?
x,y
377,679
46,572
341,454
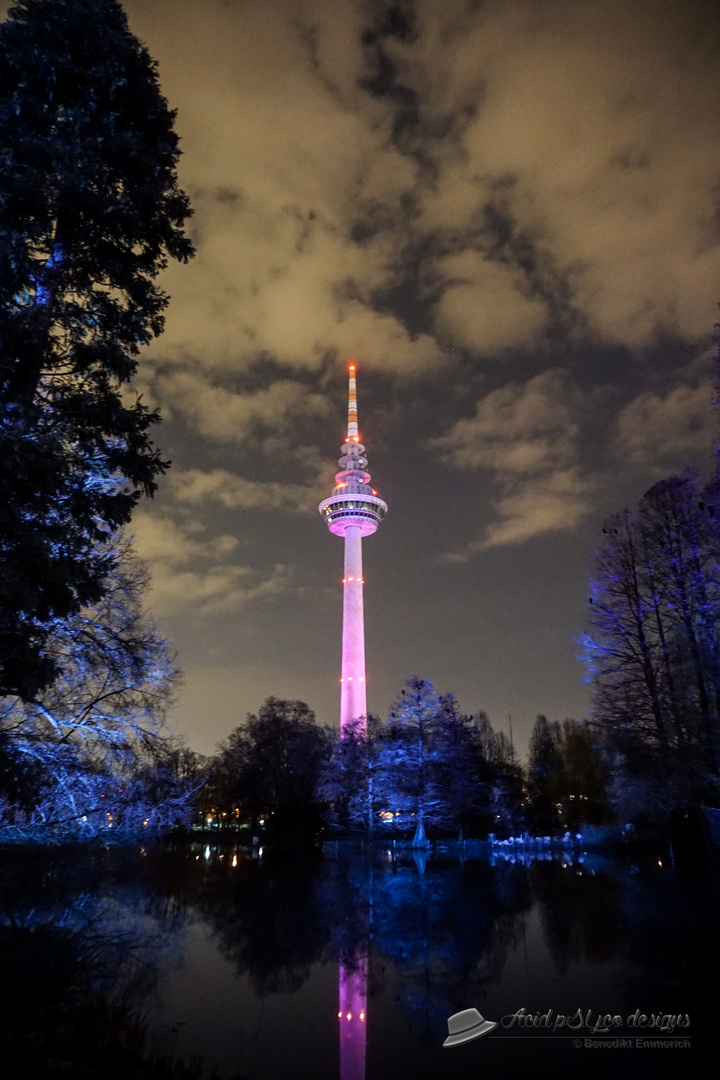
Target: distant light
x,y
349,1016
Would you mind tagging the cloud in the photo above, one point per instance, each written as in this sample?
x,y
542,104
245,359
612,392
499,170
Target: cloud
x,y
224,415
525,436
191,572
555,502
277,161
484,307
518,429
196,487
588,158
667,431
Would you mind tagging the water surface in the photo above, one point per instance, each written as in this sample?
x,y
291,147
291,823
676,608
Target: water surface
x,y
346,964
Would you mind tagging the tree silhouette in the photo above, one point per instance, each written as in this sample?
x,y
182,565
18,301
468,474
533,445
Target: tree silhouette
x,y
271,763
90,213
653,651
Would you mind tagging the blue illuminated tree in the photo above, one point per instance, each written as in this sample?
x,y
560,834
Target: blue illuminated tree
x,y
352,783
93,746
431,769
90,213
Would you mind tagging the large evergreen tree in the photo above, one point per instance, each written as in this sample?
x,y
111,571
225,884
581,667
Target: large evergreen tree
x,y
90,212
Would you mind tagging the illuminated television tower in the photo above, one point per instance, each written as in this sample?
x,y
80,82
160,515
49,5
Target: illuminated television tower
x,y
353,511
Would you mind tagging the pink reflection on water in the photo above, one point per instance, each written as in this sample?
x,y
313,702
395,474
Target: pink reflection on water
x,y
352,1017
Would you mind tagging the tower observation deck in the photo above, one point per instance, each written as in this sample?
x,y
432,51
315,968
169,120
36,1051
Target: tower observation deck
x,y
353,511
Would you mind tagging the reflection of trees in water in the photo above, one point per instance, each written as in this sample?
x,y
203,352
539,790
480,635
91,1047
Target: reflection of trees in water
x,y
659,917
266,915
443,929
580,911
434,934
82,942
669,932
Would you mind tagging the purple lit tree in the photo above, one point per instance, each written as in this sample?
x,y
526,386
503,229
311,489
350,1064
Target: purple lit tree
x,y
653,651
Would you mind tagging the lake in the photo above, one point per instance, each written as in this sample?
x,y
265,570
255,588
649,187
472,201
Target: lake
x,y
346,964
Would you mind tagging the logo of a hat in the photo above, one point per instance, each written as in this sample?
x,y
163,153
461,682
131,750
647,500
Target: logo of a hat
x,y
466,1025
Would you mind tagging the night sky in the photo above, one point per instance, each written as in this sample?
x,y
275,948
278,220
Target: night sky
x,y
508,213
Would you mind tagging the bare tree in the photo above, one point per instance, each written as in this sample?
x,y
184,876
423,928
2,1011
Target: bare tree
x,y
652,648
91,737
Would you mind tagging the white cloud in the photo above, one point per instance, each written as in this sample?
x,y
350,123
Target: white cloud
x,y
223,415
516,429
667,431
557,501
191,572
484,308
524,435
196,487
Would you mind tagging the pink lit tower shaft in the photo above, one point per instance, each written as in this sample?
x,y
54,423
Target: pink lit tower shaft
x,y
353,511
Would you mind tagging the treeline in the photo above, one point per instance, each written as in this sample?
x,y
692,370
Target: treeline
x,y
429,769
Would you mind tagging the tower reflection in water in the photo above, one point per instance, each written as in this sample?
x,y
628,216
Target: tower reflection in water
x,y
352,1015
